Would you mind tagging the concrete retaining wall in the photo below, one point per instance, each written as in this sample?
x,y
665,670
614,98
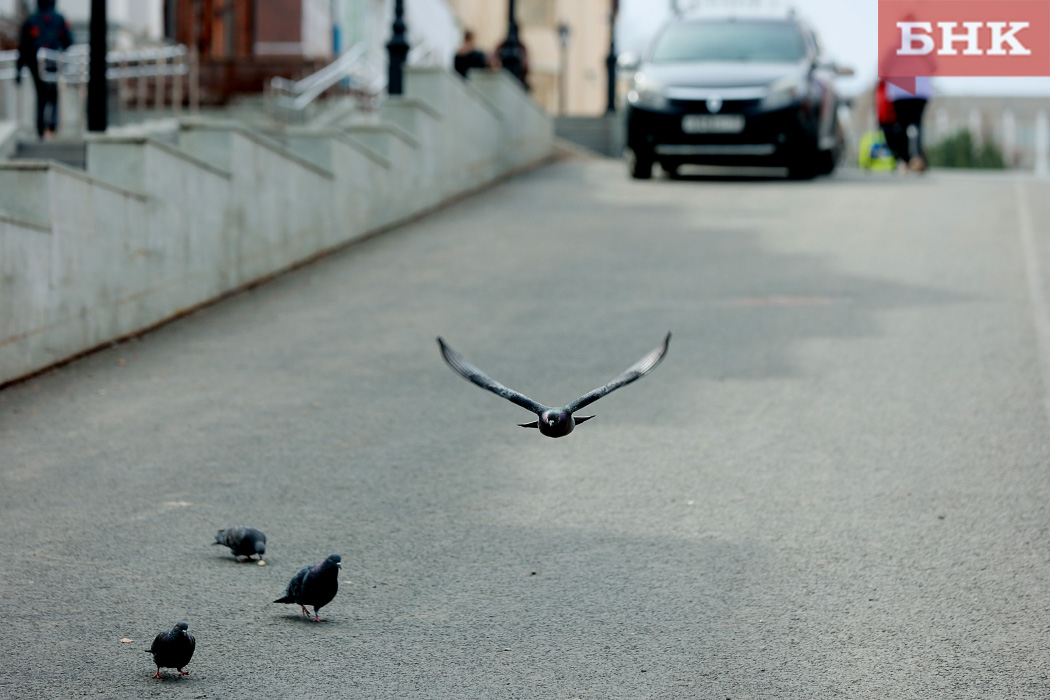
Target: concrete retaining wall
x,y
603,135
153,229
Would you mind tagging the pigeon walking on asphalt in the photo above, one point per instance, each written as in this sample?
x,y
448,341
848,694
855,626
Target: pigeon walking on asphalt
x,y
243,541
553,422
314,585
173,649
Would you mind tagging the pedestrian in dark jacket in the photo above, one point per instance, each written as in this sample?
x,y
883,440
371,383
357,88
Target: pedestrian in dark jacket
x,y
44,29
469,56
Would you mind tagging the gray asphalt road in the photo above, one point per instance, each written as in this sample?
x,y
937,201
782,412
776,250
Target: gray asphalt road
x,y
835,486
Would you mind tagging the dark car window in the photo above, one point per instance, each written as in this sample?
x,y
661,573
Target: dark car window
x,y
774,42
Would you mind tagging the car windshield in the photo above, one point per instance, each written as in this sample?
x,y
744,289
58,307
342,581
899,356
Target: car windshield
x,y
774,42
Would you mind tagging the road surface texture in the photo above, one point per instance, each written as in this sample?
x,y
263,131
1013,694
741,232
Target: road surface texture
x,y
837,484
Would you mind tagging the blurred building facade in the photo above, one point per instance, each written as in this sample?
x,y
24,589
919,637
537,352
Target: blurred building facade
x,y
581,66
8,24
433,30
242,28
132,22
243,43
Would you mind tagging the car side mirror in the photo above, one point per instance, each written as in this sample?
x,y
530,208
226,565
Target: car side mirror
x,y
628,61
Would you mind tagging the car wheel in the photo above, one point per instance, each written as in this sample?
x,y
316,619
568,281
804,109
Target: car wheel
x,y
803,167
639,165
804,162
826,161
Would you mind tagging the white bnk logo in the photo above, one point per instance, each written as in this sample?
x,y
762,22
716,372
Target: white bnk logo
x,y
917,39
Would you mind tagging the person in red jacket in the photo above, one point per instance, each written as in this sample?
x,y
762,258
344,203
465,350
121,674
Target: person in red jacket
x,y
896,139
44,29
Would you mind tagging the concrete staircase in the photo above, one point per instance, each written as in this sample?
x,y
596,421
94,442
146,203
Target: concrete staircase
x,y
249,111
69,152
172,214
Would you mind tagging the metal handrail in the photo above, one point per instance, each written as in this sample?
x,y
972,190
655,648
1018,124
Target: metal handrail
x,y
305,91
73,64
323,75
366,79
137,74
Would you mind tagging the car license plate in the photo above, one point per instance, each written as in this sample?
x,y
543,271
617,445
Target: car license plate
x,y
713,123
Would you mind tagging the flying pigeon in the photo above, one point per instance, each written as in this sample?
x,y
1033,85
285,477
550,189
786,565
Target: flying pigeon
x,y
314,585
553,422
243,541
173,649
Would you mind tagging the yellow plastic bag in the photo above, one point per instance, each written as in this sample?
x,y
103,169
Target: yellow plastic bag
x,y
874,153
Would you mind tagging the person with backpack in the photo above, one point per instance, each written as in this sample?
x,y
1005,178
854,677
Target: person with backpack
x,y
908,106
895,137
905,107
44,29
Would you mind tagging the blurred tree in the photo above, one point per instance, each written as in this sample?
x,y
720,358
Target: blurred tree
x,y
989,156
960,151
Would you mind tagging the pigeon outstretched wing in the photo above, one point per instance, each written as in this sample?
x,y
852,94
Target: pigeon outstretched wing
x,y
639,369
471,373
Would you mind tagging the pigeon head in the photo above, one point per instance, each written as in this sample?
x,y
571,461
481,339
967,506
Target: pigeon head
x,y
556,422
182,626
555,418
260,547
335,559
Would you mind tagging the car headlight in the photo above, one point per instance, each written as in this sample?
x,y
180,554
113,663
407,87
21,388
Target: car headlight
x,y
785,92
646,93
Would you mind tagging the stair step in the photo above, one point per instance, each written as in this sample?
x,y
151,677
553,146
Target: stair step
x,y
71,153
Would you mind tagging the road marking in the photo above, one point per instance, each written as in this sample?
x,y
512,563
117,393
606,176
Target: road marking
x,y
1034,273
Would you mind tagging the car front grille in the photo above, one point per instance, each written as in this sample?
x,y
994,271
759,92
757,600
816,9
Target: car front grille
x,y
727,149
727,107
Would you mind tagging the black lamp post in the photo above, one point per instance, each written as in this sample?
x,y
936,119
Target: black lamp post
x,y
610,60
398,49
563,39
98,89
510,52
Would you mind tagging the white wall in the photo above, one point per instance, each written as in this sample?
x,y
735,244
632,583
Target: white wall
x,y
153,229
317,28
430,22
144,18
75,10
